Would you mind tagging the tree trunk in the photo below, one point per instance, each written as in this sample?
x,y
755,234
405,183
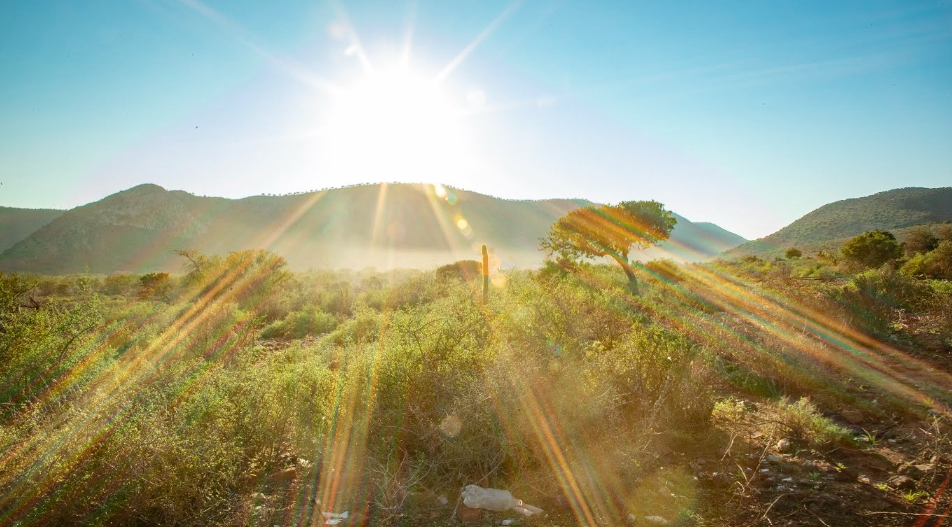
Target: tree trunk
x,y
629,271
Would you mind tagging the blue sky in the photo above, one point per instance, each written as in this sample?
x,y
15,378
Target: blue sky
x,y
746,114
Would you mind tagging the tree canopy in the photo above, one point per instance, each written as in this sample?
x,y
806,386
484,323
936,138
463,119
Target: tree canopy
x,y
872,249
609,230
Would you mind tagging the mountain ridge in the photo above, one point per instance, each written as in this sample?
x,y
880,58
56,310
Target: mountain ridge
x,y
828,226
380,225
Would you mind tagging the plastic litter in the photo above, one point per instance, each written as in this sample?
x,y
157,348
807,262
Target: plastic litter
x,y
498,500
334,518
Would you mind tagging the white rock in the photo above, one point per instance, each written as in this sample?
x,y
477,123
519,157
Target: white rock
x,y
657,520
784,445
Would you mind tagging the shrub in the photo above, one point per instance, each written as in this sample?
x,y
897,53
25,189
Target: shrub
x,y
155,285
933,264
920,240
118,284
793,253
816,271
299,324
665,269
802,420
464,270
872,249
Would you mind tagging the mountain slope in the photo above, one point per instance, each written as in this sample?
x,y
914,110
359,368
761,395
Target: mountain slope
x,y
385,226
830,225
692,242
17,224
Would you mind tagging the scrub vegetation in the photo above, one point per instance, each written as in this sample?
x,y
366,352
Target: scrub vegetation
x,y
808,391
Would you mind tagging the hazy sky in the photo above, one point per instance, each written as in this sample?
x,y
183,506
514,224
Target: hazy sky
x,y
746,114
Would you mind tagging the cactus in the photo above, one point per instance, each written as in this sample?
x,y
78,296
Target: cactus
x,y
485,275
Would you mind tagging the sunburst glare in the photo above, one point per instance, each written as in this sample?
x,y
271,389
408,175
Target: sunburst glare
x,y
393,124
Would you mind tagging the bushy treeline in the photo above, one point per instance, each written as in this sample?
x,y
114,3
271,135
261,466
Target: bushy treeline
x,y
241,393
926,253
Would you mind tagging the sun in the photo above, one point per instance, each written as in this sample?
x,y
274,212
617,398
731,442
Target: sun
x,y
392,125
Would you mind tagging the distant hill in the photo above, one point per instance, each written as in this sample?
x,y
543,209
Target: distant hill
x,y
829,226
17,224
383,225
692,242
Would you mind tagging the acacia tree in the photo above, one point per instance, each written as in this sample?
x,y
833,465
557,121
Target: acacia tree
x,y
609,230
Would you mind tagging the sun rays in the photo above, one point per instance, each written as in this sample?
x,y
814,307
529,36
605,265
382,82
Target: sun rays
x,y
393,121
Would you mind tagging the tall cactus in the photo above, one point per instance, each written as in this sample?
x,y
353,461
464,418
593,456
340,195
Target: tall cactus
x,y
485,275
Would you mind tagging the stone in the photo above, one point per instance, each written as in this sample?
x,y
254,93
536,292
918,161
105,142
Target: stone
x,y
774,458
784,445
911,470
853,416
902,483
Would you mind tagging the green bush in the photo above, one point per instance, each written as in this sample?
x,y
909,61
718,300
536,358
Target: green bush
x,y
802,421
935,264
299,324
872,249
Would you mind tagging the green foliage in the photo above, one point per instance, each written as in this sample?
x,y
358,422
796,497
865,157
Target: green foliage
x,y
872,249
120,410
872,296
831,225
299,324
793,253
936,263
119,284
609,230
815,270
664,269
802,420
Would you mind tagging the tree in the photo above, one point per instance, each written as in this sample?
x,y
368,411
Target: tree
x,y
793,253
872,249
943,232
920,240
609,230
154,285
